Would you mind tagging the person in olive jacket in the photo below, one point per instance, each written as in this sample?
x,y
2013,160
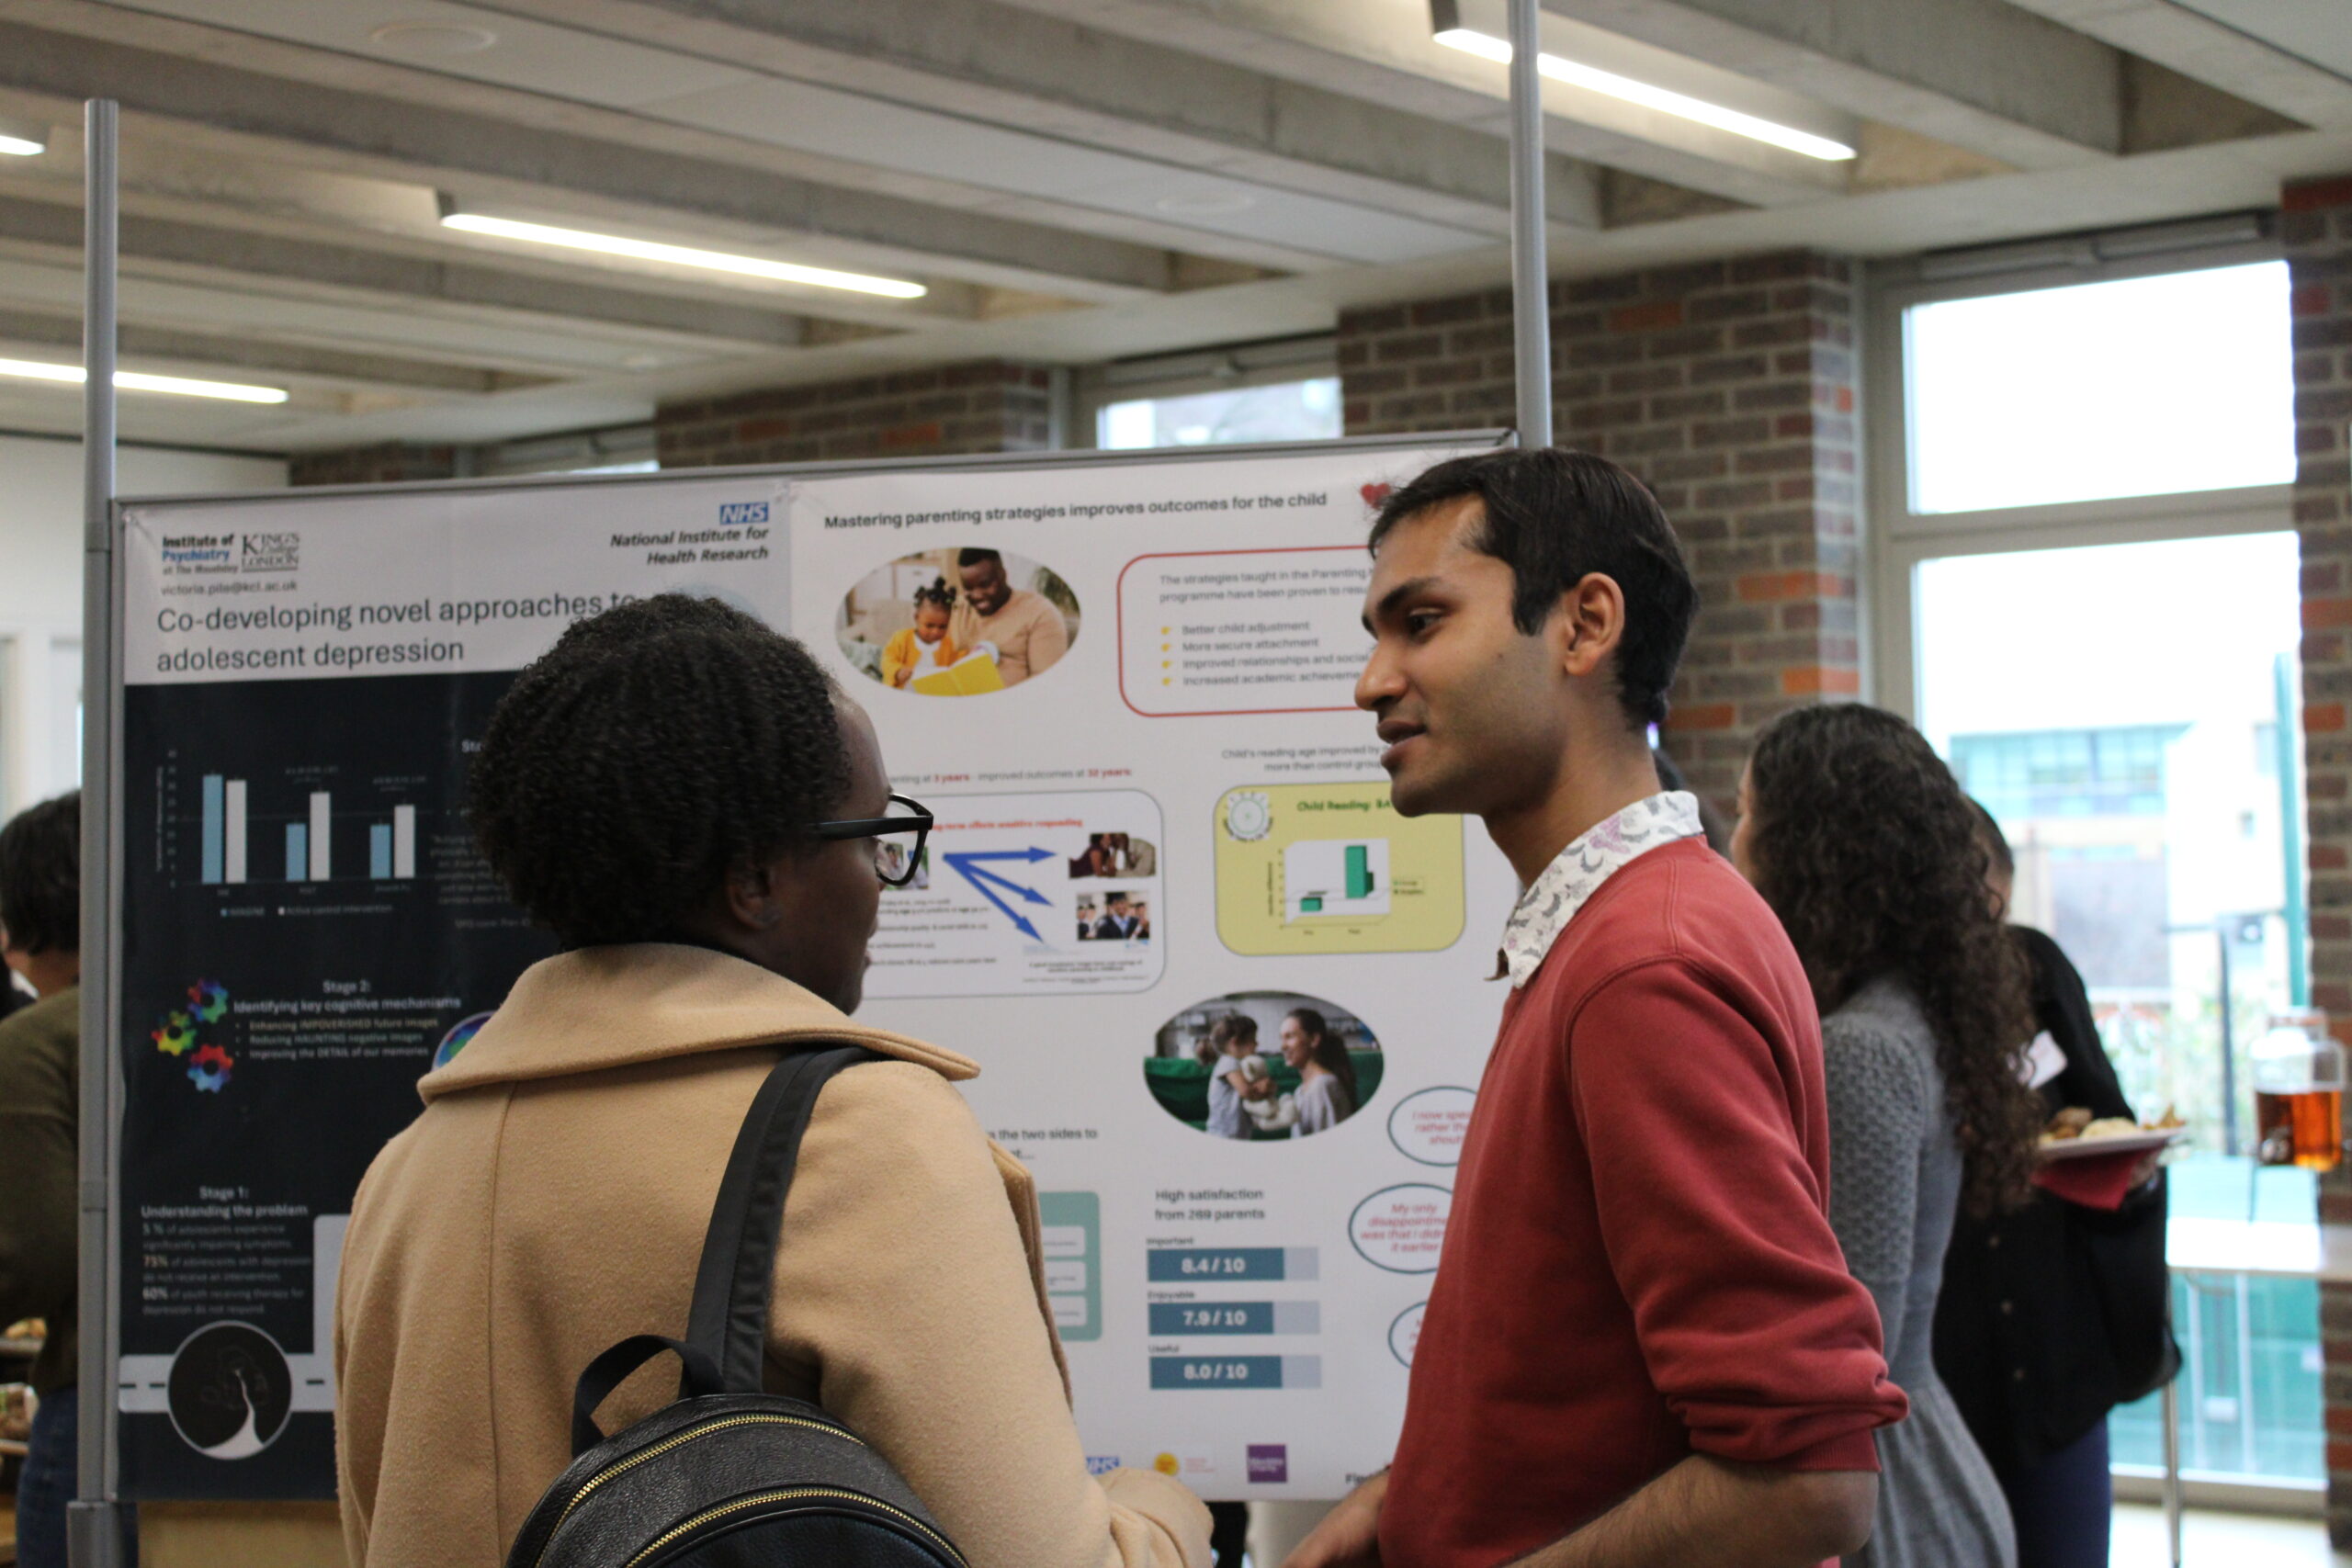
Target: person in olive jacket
x,y
40,912
2053,1314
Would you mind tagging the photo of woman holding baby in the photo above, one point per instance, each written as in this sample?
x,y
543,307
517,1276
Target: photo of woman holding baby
x,y
1212,1068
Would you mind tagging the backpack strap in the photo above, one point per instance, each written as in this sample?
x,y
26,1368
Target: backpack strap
x,y
728,1322
612,1368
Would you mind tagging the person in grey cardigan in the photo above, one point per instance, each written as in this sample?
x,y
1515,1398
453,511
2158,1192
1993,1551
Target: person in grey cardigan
x,y
1858,837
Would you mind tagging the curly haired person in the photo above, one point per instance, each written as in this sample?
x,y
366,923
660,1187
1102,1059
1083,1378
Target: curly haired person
x,y
926,645
680,796
1860,840
41,935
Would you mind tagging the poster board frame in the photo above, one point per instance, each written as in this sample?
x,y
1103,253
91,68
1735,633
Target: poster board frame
x,y
104,862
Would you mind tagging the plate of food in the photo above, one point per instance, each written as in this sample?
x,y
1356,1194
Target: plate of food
x,y
2075,1134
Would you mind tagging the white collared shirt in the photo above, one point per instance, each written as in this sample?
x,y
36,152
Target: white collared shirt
x,y
1577,873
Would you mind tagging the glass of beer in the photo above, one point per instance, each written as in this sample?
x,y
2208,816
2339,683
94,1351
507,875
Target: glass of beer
x,y
2299,1078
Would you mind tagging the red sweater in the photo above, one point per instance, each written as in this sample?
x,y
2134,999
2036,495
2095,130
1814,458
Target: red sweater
x,y
1639,1264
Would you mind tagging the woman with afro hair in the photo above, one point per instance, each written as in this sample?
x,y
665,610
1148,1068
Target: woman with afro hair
x,y
682,797
1858,837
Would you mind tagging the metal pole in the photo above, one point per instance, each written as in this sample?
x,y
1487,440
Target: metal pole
x,y
2172,1470
1531,294
2290,838
97,1525
2222,928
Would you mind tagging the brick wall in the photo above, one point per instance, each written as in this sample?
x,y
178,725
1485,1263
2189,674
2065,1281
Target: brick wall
x,y
1729,388
394,462
990,406
2316,225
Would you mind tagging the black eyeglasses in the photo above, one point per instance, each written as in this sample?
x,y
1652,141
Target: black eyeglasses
x,y
897,839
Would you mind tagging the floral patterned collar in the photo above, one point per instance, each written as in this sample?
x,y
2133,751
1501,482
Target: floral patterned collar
x,y
1553,899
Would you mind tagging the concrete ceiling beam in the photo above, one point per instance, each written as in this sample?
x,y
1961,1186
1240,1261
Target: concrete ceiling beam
x,y
2209,51
329,270
1384,51
375,134
1981,74
214,354
1057,77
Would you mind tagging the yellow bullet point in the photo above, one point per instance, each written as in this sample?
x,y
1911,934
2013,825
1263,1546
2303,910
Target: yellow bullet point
x,y
1166,679
1165,630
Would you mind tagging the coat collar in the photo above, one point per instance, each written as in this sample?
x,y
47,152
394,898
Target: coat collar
x,y
612,1007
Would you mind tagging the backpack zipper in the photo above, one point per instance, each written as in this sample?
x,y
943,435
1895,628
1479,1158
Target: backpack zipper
x,y
737,1506
675,1440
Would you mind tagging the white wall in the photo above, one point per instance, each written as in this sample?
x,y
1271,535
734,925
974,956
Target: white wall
x,y
40,591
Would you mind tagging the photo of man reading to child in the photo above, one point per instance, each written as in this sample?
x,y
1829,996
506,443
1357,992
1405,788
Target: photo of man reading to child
x,y
958,622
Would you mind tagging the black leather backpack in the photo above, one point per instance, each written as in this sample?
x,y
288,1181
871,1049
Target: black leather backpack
x,y
729,1476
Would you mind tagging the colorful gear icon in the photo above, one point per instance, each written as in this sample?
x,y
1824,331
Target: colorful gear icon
x,y
210,999
213,1056
208,1081
174,1034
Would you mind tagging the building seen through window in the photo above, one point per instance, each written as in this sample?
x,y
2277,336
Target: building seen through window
x,y
1285,411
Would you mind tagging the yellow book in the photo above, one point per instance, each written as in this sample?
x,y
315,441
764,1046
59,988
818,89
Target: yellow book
x,y
968,677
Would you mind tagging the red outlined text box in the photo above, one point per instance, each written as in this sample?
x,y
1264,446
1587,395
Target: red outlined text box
x,y
1257,633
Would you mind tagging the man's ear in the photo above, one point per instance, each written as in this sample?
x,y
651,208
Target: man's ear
x,y
1589,624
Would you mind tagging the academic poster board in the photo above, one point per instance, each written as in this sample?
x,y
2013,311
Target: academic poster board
x,y
1182,817
1176,817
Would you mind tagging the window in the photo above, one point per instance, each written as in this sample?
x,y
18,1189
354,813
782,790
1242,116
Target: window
x,y
2062,461
1288,411
2143,386
1287,389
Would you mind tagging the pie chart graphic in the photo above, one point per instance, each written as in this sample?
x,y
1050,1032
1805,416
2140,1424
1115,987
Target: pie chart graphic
x,y
460,1035
229,1390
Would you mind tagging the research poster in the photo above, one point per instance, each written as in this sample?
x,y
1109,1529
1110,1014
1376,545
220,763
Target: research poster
x,y
1165,851
1164,854
306,928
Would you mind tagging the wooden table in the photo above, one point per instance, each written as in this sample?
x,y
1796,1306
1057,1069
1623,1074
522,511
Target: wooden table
x,y
2260,1248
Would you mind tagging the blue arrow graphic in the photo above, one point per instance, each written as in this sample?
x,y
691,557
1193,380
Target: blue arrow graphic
x,y
1031,893
962,864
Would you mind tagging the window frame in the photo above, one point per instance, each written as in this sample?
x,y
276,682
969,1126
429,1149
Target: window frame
x,y
1897,540
1271,363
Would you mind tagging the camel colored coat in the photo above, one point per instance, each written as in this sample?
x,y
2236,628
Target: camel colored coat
x,y
551,1198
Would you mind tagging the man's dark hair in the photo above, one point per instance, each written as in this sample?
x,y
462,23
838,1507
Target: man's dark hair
x,y
653,750
977,557
1555,517
41,877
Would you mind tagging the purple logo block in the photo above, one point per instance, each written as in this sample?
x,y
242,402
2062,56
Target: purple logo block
x,y
1269,1462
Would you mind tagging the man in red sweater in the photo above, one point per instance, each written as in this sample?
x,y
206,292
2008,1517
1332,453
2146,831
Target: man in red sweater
x,y
1642,1346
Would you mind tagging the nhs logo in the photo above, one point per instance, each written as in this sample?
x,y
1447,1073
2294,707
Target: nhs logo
x,y
733,512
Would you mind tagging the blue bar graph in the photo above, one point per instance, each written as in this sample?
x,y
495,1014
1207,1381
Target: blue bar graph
x,y
1193,1264
1237,1371
379,850
216,830
297,852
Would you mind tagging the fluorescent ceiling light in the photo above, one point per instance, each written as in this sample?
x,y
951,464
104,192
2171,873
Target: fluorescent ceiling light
x,y
1487,47
23,138
682,255
135,381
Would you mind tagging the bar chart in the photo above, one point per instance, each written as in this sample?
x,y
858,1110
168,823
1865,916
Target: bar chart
x,y
225,821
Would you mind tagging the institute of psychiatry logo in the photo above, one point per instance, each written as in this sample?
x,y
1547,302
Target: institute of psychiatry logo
x,y
179,1034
